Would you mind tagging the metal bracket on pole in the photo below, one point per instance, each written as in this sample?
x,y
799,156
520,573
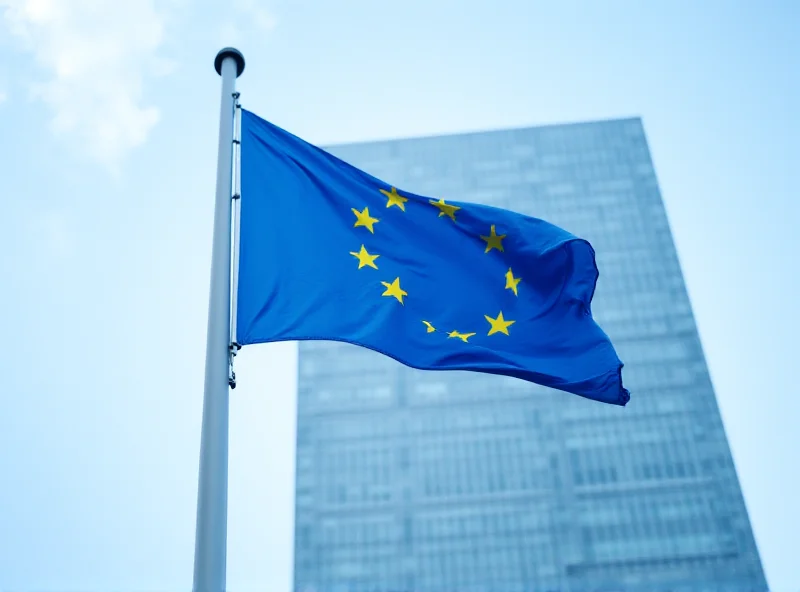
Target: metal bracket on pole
x,y
233,349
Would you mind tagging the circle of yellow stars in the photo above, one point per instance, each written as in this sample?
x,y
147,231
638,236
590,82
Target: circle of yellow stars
x,y
497,325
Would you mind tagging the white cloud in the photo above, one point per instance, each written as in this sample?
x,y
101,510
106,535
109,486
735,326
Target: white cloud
x,y
261,19
98,54
249,17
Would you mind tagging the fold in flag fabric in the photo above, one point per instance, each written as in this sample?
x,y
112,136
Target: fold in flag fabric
x,y
329,252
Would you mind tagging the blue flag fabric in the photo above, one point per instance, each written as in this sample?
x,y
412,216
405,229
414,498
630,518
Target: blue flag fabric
x,y
329,252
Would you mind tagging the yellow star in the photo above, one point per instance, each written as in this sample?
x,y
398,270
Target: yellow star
x,y
394,289
395,199
445,209
462,336
512,282
493,241
364,219
365,258
430,328
499,325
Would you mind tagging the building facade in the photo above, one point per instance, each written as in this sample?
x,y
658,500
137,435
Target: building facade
x,y
463,482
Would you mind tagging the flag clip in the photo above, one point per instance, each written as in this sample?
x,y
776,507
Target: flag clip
x,y
233,349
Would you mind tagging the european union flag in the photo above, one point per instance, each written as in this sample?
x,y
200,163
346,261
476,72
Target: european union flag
x,y
330,252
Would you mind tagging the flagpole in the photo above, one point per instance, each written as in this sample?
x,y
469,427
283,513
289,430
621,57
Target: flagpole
x,y
212,484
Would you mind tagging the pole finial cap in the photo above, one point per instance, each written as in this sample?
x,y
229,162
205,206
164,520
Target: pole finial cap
x,y
229,52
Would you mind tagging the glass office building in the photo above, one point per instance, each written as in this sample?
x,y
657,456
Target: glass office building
x,y
450,481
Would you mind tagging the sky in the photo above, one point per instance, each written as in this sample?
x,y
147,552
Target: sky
x,y
108,137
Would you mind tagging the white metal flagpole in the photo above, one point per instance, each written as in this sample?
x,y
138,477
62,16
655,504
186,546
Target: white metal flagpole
x,y
211,535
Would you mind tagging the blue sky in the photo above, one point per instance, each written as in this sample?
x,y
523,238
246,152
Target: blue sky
x,y
108,123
